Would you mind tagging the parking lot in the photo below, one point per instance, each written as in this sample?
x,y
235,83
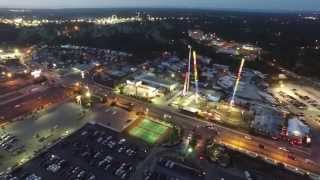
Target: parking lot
x,y
22,139
298,98
309,112
101,153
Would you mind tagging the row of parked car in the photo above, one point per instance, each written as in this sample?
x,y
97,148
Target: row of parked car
x,y
180,171
153,175
8,142
26,176
293,101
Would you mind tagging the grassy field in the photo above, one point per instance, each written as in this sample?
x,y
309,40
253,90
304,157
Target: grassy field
x,y
149,131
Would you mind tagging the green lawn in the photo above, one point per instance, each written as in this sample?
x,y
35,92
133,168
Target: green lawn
x,y
149,131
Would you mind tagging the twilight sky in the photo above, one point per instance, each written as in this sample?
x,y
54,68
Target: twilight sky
x,y
243,4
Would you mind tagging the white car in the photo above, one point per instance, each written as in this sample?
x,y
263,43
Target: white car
x,y
247,137
283,149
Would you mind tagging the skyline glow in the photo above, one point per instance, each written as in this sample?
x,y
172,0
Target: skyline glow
x,y
207,4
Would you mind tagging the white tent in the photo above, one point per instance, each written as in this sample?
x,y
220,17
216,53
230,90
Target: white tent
x,y
297,127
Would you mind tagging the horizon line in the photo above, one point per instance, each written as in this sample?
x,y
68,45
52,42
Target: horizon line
x,y
267,10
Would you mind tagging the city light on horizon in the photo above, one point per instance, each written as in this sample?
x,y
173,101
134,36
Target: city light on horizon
x,y
228,4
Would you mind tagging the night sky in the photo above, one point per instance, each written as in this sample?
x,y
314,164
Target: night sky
x,y
241,4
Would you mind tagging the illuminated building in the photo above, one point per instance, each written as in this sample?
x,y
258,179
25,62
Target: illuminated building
x,y
136,88
156,82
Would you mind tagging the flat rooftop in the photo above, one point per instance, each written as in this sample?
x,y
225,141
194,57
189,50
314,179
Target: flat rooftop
x,y
154,80
113,117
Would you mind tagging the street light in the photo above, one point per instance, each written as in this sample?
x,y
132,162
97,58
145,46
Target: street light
x,y
76,28
9,75
88,94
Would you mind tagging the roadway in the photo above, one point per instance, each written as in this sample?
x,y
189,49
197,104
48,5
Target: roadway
x,y
16,83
